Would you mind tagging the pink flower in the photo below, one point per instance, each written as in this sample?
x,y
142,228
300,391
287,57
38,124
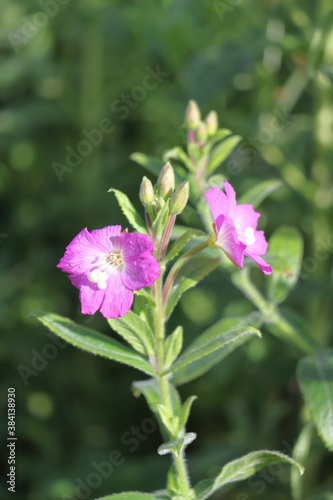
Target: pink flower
x,y
106,265
236,228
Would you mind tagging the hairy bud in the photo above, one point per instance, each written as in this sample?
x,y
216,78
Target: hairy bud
x,y
146,192
166,181
202,133
192,115
179,198
212,122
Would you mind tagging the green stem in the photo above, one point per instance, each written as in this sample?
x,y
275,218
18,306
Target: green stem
x,y
159,320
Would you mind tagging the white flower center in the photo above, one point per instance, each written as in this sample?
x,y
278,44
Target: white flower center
x,y
247,235
106,265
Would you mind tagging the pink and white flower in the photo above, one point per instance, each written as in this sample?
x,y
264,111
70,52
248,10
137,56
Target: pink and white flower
x,y
236,228
107,265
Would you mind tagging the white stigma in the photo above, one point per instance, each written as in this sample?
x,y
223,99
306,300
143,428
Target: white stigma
x,y
108,263
249,236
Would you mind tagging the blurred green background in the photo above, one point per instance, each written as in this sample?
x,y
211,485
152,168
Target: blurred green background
x,y
69,67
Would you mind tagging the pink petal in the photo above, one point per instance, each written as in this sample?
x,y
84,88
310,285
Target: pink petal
x,y
86,248
118,299
228,241
259,247
266,268
133,245
106,239
245,216
140,272
91,296
80,254
217,201
231,196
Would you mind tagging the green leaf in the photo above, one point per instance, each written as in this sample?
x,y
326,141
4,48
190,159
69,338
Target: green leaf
x,y
240,469
179,154
185,411
179,244
287,244
173,346
161,220
92,341
318,42
322,496
290,327
135,331
219,135
176,447
198,359
222,151
259,192
315,377
129,211
152,392
192,272
153,165
300,453
128,495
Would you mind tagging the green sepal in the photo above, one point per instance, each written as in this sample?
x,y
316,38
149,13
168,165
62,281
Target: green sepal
x,y
129,211
240,469
176,447
93,342
136,331
315,377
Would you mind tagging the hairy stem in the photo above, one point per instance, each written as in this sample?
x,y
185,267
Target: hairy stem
x,y
159,320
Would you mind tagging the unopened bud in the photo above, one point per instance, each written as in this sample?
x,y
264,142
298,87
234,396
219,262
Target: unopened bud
x,y
166,181
202,133
192,115
179,198
212,122
146,192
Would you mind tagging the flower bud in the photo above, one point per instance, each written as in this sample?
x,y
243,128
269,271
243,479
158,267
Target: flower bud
x,y
146,192
192,115
212,122
179,198
166,181
202,133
